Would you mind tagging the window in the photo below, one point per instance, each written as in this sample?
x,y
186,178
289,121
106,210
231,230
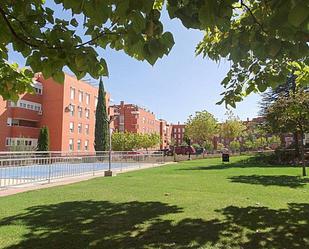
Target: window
x,y
95,101
15,122
38,90
79,128
72,93
8,141
80,96
175,130
71,127
87,129
80,112
183,130
71,144
121,119
9,122
87,113
72,110
87,98
178,129
86,145
79,142
38,87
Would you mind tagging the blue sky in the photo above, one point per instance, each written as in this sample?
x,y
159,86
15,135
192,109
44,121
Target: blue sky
x,y
177,85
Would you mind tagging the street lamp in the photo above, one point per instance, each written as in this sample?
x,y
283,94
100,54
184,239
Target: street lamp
x,y
109,171
189,149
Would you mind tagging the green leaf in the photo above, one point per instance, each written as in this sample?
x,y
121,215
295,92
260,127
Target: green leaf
x,y
138,22
104,69
274,48
168,39
298,15
58,76
74,22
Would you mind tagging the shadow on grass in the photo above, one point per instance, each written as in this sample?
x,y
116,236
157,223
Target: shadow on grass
x,y
268,180
139,225
246,163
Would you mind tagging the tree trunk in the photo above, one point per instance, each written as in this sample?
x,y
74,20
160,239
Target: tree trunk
x,y
302,152
296,145
174,154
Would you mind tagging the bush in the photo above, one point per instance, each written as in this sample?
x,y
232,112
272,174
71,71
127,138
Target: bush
x,y
196,146
234,146
208,146
43,141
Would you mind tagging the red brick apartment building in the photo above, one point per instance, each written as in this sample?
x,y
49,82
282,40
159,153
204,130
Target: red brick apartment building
x,y
165,134
68,110
132,118
178,131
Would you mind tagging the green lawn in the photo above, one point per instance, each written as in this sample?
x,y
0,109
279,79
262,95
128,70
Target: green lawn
x,y
194,204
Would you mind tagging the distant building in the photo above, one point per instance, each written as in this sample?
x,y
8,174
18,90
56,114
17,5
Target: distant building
x,y
165,134
68,110
133,118
178,131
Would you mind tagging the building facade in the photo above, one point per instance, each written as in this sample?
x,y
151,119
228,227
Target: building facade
x,y
177,133
68,110
132,118
165,134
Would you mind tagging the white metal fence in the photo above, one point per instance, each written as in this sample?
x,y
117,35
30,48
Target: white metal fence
x,y
28,167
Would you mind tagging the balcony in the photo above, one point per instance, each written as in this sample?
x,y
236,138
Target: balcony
x,y
22,113
135,112
37,98
25,131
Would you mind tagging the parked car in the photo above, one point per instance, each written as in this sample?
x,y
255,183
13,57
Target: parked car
x,y
166,152
199,151
184,150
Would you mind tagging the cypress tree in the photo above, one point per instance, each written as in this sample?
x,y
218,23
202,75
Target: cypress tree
x,y
43,141
101,124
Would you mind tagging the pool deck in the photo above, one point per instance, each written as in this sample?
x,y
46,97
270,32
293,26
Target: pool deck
x,y
68,180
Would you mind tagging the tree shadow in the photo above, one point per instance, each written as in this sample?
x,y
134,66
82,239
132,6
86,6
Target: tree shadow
x,y
140,225
268,180
245,163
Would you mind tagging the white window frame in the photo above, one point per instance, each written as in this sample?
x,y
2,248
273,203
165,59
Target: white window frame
x,y
80,96
80,128
72,93
87,113
87,98
71,128
79,144
71,144
86,147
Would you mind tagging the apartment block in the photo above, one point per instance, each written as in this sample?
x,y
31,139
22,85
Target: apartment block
x,y
68,110
165,134
177,133
132,118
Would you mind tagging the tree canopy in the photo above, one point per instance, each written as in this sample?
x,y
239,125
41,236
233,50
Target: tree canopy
x,y
232,128
201,127
43,140
289,114
101,131
49,41
263,40
127,141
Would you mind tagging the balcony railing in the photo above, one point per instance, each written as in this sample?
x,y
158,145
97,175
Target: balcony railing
x,y
26,114
25,131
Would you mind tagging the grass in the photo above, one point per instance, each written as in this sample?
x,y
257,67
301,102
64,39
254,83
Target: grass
x,y
194,204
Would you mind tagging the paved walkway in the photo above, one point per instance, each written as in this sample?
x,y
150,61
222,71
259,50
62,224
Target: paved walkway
x,y
69,180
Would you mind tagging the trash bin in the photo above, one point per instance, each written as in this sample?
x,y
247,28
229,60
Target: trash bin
x,y
225,157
